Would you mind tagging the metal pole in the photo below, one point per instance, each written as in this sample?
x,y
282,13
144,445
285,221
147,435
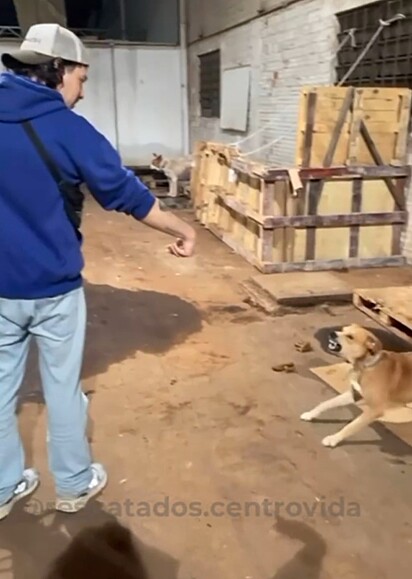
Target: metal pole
x,y
114,87
123,19
184,76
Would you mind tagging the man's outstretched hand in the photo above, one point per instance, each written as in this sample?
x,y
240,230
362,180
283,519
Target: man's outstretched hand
x,y
182,247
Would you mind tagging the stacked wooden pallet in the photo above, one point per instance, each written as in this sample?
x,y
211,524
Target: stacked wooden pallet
x,y
342,205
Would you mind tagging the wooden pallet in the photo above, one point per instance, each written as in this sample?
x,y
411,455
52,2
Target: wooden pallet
x,y
390,307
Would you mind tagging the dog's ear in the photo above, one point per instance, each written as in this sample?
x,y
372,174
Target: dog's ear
x,y
373,345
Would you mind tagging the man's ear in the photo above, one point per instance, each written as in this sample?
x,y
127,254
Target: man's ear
x,y
373,345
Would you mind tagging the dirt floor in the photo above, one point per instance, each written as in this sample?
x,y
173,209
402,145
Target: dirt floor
x,y
202,440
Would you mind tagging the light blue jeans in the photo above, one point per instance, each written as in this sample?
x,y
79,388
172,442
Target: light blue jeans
x,y
58,326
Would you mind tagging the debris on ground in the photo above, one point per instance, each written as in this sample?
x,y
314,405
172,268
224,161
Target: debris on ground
x,y
289,367
303,346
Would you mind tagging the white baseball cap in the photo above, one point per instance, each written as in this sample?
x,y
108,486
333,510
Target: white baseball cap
x,y
45,42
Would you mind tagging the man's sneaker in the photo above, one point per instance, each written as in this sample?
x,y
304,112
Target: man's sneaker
x,y
75,504
26,487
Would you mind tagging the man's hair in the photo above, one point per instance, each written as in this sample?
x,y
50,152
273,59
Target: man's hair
x,y
50,74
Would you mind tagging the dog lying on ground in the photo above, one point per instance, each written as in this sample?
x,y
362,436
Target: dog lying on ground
x,y
175,170
379,378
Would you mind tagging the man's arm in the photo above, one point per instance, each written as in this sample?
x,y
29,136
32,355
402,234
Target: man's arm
x,y
116,188
164,221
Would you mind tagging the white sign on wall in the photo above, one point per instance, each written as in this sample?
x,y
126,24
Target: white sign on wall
x,y
235,98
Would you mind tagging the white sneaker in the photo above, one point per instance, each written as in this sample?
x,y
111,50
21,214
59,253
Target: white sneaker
x,y
26,487
75,504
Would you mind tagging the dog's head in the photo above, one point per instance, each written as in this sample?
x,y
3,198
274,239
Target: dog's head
x,y
354,343
157,161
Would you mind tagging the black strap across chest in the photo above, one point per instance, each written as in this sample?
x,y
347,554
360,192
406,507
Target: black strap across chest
x,y
73,197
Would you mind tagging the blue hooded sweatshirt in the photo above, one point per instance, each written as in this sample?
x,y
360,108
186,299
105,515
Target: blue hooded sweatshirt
x,y
40,254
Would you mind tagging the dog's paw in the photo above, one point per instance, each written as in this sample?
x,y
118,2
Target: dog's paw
x,y
307,416
330,441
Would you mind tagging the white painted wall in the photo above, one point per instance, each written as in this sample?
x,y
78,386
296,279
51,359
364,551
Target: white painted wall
x,y
287,48
134,97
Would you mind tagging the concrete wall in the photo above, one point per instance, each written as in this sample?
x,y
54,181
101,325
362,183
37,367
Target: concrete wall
x,y
293,44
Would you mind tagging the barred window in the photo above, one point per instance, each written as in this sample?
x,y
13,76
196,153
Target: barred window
x,y
389,61
210,84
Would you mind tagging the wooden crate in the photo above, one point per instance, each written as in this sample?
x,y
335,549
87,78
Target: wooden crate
x,y
273,223
341,206
211,171
390,307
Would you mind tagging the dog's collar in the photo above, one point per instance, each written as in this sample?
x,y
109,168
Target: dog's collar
x,y
372,361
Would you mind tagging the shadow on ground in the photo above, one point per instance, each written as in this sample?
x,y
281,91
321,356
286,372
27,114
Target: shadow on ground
x,y
308,561
120,324
49,545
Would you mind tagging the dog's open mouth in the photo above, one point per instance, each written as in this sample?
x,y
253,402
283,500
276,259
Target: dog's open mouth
x,y
333,345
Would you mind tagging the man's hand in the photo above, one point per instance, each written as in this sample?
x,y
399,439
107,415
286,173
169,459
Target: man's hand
x,y
182,247
172,225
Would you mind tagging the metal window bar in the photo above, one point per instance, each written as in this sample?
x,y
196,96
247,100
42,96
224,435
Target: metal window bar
x,y
389,60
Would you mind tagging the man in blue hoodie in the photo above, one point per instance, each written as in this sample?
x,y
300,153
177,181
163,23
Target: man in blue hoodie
x,y
46,152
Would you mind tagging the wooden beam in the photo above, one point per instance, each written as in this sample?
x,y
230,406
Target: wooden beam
x,y
308,221
398,198
310,123
346,107
356,210
314,194
334,264
314,173
398,228
336,220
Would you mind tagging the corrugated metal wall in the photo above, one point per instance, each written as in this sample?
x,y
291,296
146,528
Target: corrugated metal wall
x,y
135,98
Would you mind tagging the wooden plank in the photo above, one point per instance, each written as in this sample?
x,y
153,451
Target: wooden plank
x,y
394,301
295,182
399,228
315,173
403,133
265,247
391,307
315,191
310,121
334,264
399,200
355,132
333,220
356,209
295,289
316,188
347,104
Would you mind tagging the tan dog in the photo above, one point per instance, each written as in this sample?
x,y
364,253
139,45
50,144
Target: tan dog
x,y
379,378
175,170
